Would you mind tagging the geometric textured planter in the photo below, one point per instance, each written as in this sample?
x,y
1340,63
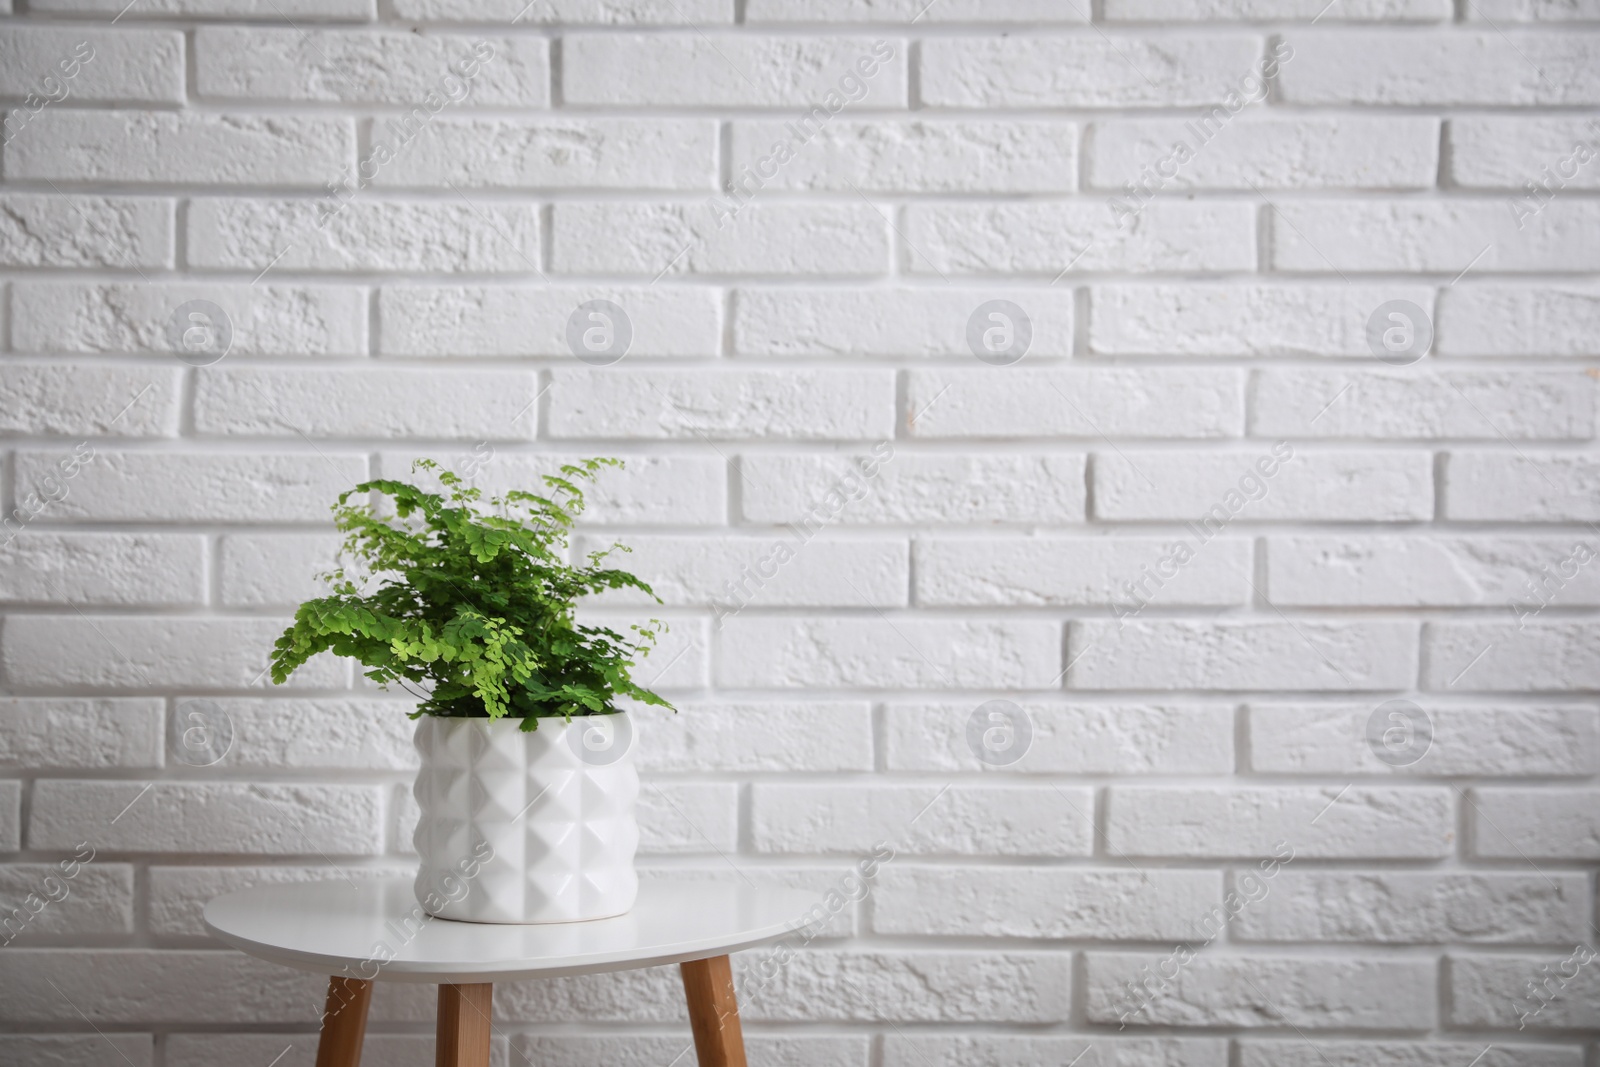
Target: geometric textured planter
x,y
526,827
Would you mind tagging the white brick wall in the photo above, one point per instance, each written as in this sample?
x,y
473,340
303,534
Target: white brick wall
x,y
1299,645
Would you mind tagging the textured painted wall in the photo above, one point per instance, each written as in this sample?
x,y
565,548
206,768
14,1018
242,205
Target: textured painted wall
x,y
1134,462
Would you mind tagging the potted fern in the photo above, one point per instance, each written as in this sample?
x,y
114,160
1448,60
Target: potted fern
x,y
527,784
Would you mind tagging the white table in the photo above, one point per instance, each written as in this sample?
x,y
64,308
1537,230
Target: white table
x,y
334,928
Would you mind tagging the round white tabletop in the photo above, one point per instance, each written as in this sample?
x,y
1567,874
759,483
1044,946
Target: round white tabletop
x,y
373,929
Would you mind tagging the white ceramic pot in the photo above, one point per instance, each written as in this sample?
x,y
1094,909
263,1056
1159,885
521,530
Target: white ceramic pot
x,y
533,827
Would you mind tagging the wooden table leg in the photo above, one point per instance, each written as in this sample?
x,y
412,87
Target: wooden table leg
x,y
713,1012
464,1012
344,1022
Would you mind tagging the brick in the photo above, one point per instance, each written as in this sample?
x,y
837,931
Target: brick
x,y
80,733
882,653
362,403
275,570
816,490
1480,741
199,487
82,400
1408,404
755,736
1490,152
1049,239
1531,824
653,489
886,322
819,881
1295,1052
125,651
1548,319
178,895
300,1050
98,899
1355,992
10,816
701,405
1019,1050
1375,486
626,12
1253,10
992,987
995,156
899,12
1536,487
688,817
1364,822
505,321
1068,739
443,236
333,733
1422,907
645,1050
554,154
182,148
75,1050
1450,68
991,403
1043,902
963,820
1432,571
1051,570
1241,655
1312,153
652,240
1047,71
1435,235
680,658
748,70
1533,11
1239,318
119,66
309,10
1551,656
732,573
207,817
1494,991
115,232
132,569
265,319
408,69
